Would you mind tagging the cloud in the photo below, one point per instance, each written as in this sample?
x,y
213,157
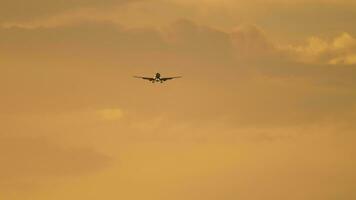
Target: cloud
x,y
347,59
240,72
199,42
32,9
250,42
338,50
296,19
61,19
26,161
102,36
183,38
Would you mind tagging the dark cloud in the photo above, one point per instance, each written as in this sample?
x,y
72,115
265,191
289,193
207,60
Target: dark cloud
x,y
28,161
250,40
202,42
183,38
85,37
27,10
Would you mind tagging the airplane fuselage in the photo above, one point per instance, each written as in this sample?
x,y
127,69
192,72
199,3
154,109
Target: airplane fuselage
x,y
157,78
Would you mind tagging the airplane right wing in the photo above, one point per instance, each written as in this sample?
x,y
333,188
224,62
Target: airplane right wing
x,y
145,78
170,78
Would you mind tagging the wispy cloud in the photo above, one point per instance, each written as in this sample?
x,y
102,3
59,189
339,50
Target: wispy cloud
x,y
338,50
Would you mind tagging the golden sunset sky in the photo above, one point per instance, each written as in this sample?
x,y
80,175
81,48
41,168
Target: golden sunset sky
x,y
266,108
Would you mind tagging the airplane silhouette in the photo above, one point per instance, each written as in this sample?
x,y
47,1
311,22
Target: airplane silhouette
x,y
157,78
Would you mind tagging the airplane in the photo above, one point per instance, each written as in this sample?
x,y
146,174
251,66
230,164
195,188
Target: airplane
x,y
157,78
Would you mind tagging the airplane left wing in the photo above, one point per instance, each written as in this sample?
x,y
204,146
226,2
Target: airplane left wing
x,y
170,78
145,78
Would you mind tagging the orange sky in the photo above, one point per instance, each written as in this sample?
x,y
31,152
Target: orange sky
x,y
266,108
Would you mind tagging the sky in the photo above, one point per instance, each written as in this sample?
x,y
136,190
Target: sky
x,y
266,107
